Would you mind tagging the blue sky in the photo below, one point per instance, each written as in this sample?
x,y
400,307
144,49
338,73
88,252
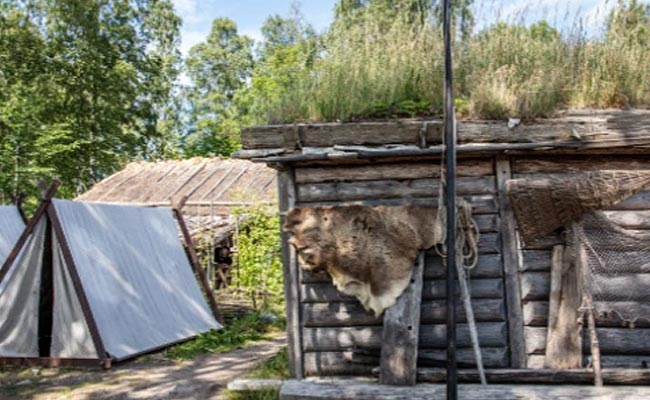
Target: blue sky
x,y
249,15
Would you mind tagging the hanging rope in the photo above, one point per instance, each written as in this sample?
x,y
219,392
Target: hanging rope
x,y
467,236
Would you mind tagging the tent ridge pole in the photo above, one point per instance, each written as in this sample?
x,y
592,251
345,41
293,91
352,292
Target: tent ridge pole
x,y
42,207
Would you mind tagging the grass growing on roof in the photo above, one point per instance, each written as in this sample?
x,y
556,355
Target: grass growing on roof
x,y
236,334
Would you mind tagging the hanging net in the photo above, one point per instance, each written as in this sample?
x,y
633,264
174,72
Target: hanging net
x,y
618,266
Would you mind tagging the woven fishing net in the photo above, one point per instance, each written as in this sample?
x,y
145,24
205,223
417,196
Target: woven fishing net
x,y
542,205
618,268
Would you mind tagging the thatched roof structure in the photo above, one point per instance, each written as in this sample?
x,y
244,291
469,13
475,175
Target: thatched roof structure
x,y
214,185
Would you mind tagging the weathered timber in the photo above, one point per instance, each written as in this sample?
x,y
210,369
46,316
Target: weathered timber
x,y
491,334
312,192
386,171
630,286
564,335
562,165
333,363
541,376
341,389
481,204
245,385
613,341
640,201
400,333
544,243
493,357
630,219
608,361
536,313
287,199
511,262
339,314
535,285
326,292
488,266
587,303
536,260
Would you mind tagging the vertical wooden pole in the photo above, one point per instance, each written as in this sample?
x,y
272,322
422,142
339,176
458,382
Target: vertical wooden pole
x,y
287,200
78,286
510,253
196,265
400,333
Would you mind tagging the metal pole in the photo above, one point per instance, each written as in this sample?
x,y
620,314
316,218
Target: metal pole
x,y
450,196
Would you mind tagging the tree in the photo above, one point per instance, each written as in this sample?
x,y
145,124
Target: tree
x,y
88,91
218,68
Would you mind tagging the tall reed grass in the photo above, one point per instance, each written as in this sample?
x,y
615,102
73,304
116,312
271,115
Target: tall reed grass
x,y
375,67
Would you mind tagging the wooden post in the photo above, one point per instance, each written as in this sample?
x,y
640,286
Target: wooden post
x,y
400,333
510,253
564,336
287,200
588,306
194,260
78,286
40,211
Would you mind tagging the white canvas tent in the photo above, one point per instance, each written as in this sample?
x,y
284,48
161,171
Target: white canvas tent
x,y
98,282
11,227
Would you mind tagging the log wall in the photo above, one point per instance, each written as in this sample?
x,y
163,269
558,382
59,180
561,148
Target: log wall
x,y
510,286
333,325
620,346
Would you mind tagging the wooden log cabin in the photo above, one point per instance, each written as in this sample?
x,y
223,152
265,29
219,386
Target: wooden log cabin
x,y
398,162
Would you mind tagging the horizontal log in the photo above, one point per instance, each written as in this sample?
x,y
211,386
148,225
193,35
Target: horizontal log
x,y
348,389
608,314
436,289
353,314
536,260
488,266
613,341
578,164
630,219
493,357
544,243
540,376
491,334
623,287
340,191
535,286
481,204
333,363
607,361
385,171
640,201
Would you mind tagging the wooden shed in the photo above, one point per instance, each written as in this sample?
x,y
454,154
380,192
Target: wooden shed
x,y
398,162
214,188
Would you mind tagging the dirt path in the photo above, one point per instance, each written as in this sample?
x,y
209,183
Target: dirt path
x,y
201,378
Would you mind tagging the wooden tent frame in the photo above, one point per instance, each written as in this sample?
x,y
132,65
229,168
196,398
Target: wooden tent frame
x,y
104,360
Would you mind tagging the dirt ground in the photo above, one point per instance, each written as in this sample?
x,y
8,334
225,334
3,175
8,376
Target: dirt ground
x,y
149,378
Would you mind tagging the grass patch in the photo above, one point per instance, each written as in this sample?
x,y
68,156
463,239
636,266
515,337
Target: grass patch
x,y
276,367
236,334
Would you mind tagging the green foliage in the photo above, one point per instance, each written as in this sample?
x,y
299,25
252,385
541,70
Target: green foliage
x,y
83,88
276,367
236,333
259,263
218,68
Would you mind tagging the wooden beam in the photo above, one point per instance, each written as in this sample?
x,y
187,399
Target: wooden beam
x,y
76,283
400,333
40,211
292,292
511,261
349,389
196,265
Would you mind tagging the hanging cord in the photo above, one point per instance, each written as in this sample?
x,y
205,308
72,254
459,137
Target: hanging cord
x,y
467,236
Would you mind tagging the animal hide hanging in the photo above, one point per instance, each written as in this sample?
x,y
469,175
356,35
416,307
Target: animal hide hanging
x,y
368,251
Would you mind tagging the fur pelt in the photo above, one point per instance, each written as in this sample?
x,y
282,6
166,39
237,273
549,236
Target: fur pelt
x,y
368,251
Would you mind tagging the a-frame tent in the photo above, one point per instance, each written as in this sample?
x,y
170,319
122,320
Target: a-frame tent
x,y
91,283
12,225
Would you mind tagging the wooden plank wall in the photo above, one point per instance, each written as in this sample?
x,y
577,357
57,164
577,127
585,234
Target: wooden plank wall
x,y
620,346
333,324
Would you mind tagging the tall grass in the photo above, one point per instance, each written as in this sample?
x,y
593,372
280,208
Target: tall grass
x,y
378,67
